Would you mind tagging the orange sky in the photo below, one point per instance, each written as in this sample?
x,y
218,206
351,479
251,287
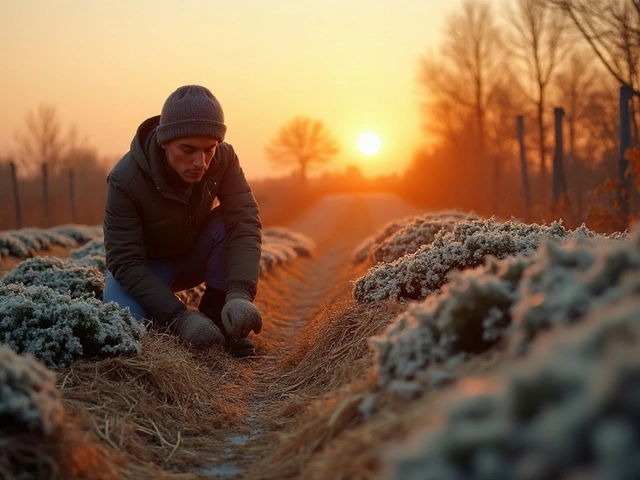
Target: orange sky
x,y
108,65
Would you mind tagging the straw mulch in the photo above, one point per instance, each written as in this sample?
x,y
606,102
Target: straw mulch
x,y
291,412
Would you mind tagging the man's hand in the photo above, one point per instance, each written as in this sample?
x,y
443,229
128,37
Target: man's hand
x,y
196,329
239,315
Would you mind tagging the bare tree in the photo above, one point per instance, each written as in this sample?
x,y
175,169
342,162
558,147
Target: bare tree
x,y
537,43
43,143
460,83
612,29
301,143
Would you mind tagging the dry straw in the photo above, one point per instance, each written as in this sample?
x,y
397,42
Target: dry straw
x,y
292,412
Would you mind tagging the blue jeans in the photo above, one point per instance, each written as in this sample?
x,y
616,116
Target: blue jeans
x,y
206,262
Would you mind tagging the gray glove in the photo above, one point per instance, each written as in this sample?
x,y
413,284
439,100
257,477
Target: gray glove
x,y
194,328
239,315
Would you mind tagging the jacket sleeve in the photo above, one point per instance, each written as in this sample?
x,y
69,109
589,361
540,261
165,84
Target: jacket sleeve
x,y
126,254
244,229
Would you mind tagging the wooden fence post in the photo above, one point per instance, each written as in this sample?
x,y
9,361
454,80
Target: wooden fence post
x,y
625,143
16,195
45,189
496,184
558,186
525,172
72,197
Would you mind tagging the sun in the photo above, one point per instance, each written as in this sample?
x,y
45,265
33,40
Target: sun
x,y
369,143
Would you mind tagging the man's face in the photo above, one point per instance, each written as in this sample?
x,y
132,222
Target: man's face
x,y
190,157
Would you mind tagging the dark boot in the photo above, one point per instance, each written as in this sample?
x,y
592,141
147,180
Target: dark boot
x,y
211,305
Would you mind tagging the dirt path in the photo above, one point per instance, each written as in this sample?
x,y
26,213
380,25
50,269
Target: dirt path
x,y
293,297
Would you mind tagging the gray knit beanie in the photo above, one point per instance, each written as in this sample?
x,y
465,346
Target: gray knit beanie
x,y
191,111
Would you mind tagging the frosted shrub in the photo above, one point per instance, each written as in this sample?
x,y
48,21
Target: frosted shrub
x,y
80,233
26,242
10,246
22,243
58,329
468,317
571,412
363,251
406,235
568,281
420,231
29,399
91,254
466,246
61,276
281,246
302,244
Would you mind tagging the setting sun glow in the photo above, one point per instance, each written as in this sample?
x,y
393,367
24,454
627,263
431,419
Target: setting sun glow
x,y
369,143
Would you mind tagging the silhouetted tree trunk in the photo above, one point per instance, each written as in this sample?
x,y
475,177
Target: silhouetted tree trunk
x,y
463,79
537,43
16,195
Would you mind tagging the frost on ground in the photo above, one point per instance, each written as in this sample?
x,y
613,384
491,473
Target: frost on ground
x,y
60,275
414,276
58,329
516,297
26,242
29,399
571,412
407,235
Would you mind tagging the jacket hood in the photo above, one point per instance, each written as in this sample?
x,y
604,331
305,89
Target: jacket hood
x,y
151,159
144,147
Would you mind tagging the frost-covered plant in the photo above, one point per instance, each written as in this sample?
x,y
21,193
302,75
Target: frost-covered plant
x,y
420,231
60,275
571,412
27,242
281,246
466,246
468,317
91,254
23,243
302,244
58,329
11,246
567,281
405,235
80,233
29,399
363,251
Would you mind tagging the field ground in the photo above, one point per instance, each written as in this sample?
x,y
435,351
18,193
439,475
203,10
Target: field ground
x,y
289,413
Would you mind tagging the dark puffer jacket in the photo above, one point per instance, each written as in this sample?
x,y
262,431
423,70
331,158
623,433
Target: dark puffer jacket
x,y
151,213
